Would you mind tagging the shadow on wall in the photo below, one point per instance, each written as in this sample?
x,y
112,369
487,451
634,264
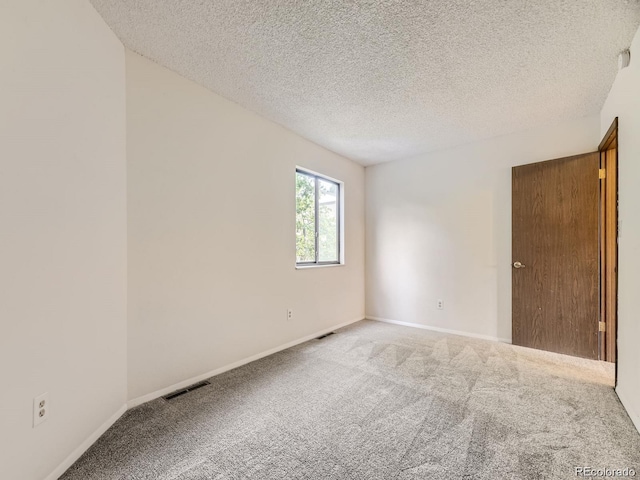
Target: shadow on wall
x,y
439,248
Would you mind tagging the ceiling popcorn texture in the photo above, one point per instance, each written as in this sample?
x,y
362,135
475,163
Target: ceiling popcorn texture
x,y
381,80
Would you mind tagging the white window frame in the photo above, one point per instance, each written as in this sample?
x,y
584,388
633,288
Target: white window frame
x,y
340,224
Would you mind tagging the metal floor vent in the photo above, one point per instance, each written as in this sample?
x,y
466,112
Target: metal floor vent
x,y
182,391
325,335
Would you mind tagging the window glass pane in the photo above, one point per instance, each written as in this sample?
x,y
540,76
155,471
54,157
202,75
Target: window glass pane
x,y
327,221
305,218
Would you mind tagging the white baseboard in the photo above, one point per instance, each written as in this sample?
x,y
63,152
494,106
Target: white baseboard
x,y
190,381
77,453
441,330
633,415
84,446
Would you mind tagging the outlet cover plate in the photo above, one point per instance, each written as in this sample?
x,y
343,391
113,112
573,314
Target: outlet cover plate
x,y
41,404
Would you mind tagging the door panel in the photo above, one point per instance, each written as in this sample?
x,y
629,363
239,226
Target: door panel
x,y
555,236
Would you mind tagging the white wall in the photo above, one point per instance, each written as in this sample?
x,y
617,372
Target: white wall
x,y
63,230
439,227
211,233
624,102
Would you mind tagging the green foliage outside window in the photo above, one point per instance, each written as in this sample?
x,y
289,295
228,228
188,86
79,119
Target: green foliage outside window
x,y
327,211
305,218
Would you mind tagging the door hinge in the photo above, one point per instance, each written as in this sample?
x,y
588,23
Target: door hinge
x,y
602,173
602,326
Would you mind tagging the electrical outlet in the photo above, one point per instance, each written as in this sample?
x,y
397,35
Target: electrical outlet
x,y
440,304
289,314
41,409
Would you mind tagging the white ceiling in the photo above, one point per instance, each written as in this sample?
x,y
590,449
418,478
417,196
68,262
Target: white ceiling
x,y
380,80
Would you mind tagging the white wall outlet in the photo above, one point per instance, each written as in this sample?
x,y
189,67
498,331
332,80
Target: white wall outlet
x,y
41,409
289,314
440,304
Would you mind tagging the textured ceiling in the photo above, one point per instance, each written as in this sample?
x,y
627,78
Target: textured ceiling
x,y
379,80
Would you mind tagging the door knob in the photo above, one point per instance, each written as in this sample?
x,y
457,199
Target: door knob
x,y
518,265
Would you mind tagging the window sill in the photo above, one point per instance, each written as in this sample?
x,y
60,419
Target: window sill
x,y
307,267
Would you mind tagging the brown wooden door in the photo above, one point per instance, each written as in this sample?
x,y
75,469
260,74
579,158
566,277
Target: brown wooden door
x,y
555,238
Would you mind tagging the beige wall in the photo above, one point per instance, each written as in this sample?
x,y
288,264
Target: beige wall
x,y
624,102
439,227
211,196
63,230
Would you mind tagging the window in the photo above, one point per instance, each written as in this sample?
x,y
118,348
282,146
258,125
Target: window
x,y
317,219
